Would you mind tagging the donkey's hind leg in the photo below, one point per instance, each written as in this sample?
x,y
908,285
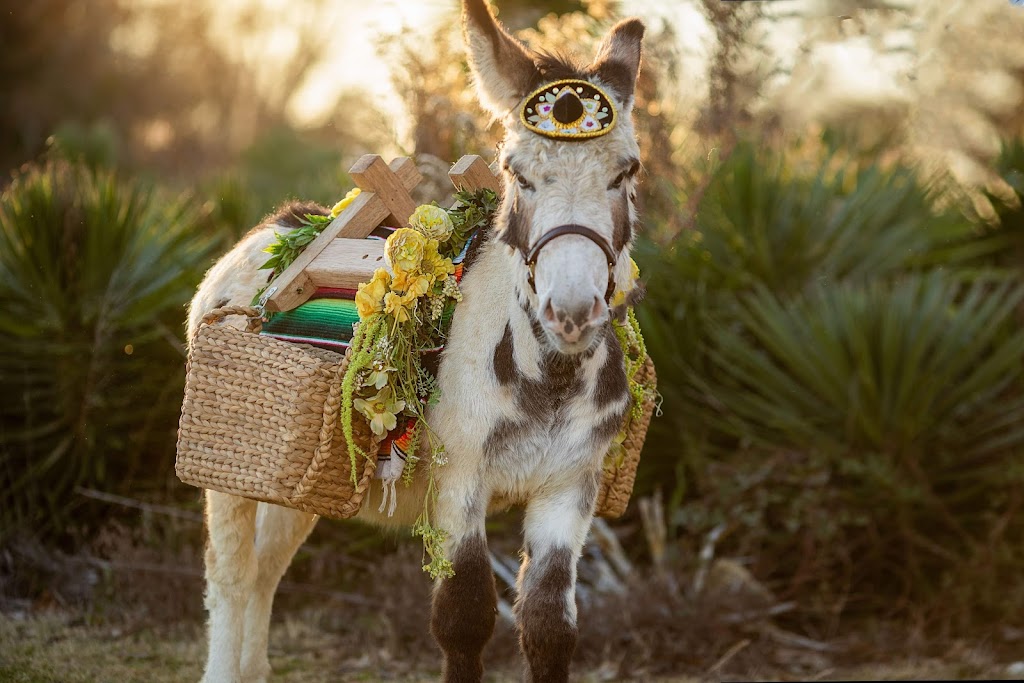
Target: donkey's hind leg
x,y
556,526
230,575
279,533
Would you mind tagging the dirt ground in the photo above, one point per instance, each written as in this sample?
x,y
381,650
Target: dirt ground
x,y
63,648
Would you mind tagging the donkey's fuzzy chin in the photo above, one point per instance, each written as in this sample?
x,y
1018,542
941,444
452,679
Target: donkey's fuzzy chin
x,y
587,343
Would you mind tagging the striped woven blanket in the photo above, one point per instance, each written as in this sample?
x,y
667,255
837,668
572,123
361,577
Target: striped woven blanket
x,y
326,321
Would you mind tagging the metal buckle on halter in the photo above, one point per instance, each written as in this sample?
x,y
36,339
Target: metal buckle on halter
x,y
530,258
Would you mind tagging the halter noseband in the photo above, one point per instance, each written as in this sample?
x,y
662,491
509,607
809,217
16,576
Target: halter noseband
x,y
530,258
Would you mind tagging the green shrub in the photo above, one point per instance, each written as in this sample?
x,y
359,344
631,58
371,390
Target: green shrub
x,y
765,220
843,384
94,275
1009,204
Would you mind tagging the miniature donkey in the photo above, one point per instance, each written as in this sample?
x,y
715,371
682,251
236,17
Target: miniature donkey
x,y
533,395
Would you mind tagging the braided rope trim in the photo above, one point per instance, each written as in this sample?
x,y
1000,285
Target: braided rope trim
x,y
617,483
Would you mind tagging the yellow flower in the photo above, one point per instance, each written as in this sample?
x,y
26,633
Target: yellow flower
x,y
404,250
381,410
370,295
620,294
400,306
349,198
434,264
416,284
432,221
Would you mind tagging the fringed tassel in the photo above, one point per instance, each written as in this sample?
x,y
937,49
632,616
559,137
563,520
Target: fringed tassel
x,y
389,471
389,496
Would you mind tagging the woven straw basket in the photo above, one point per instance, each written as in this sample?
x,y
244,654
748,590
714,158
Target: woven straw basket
x,y
260,420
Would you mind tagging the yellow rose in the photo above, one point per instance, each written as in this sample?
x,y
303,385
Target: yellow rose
x,y
400,306
416,284
404,250
370,295
435,264
432,221
349,198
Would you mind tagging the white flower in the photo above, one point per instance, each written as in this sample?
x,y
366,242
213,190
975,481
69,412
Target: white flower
x,y
432,221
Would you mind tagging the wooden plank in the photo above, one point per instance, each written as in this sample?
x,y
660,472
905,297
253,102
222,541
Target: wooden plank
x,y
357,221
372,175
346,263
471,173
407,173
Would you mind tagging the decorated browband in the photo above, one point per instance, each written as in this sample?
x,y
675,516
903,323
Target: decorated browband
x,y
569,110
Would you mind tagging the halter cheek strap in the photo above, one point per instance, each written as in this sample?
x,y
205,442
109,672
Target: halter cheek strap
x,y
530,258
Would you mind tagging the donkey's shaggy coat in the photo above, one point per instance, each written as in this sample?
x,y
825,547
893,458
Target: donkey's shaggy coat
x,y
530,406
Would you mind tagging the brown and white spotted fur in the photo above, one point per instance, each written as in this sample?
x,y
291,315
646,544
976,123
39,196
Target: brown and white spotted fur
x,y
533,384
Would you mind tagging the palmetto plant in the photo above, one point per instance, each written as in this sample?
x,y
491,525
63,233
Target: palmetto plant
x,y
922,368
1009,204
842,370
94,274
787,224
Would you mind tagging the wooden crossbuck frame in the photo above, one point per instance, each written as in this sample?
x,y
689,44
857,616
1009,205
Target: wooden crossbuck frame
x,y
341,256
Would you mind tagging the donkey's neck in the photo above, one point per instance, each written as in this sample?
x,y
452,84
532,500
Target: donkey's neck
x,y
529,412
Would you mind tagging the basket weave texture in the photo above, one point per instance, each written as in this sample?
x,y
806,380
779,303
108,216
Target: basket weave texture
x,y
617,481
260,420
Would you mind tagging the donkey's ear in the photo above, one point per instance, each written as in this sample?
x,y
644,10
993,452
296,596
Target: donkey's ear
x,y
502,67
618,59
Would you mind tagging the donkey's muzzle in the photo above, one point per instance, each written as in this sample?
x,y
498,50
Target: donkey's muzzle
x,y
530,257
572,326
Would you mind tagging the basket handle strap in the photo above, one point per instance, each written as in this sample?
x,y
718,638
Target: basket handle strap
x,y
332,409
252,313
331,420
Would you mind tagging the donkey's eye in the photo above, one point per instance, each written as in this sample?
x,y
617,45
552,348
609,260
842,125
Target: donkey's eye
x,y
521,181
625,175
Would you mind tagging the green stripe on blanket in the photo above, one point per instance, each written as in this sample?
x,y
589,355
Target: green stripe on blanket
x,y
323,322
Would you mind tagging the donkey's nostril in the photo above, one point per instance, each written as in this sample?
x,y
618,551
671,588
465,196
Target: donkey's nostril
x,y
597,310
549,313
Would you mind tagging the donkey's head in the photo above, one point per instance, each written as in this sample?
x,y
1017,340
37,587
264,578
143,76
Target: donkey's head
x,y
570,158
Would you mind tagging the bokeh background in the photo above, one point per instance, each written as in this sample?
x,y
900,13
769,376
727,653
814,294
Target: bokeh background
x,y
833,242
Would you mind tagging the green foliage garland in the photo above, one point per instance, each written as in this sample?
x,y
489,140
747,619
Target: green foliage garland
x,y
290,244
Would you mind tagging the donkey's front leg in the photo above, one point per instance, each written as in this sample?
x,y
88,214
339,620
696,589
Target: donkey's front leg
x,y
465,605
556,527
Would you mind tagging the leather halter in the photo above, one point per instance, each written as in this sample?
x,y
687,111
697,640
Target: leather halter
x,y
530,258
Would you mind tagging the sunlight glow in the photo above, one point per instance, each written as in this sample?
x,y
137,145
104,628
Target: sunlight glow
x,y
355,59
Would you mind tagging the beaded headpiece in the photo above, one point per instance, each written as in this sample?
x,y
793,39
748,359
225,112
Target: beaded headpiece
x,y
569,110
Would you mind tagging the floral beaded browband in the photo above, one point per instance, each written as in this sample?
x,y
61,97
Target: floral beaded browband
x,y
569,110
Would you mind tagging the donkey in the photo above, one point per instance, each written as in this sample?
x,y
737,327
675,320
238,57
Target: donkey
x,y
535,390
